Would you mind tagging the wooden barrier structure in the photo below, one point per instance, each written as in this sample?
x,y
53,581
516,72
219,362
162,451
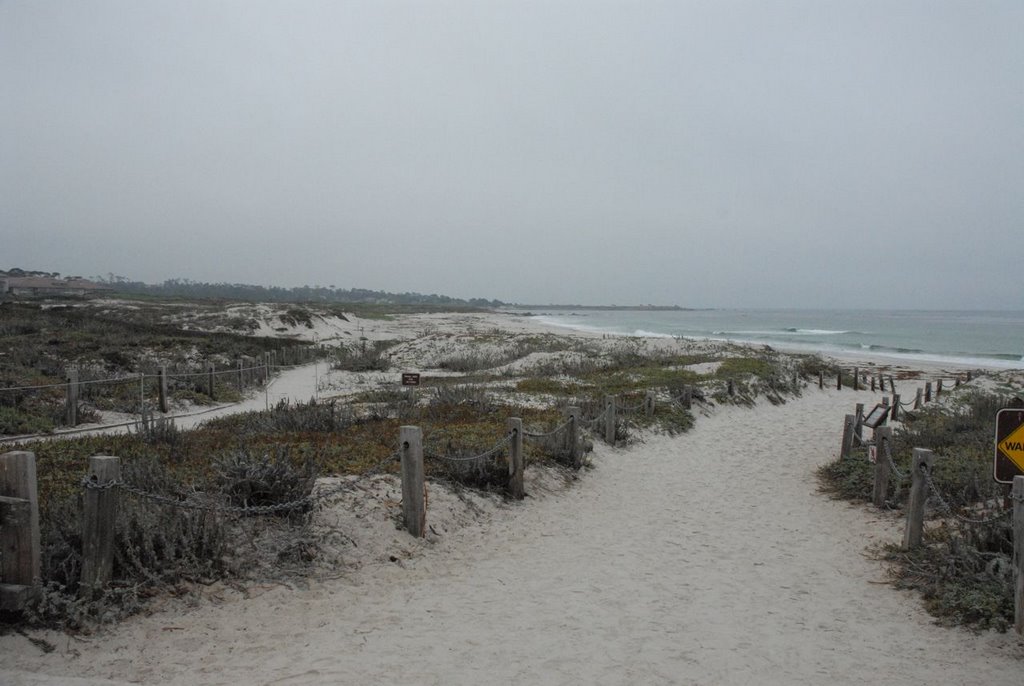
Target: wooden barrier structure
x,y
1018,552
98,516
516,463
19,530
575,454
914,531
609,420
414,509
72,397
846,447
883,444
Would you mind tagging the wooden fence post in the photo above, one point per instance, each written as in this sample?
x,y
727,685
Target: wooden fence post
x,y
858,425
162,382
839,380
515,458
609,419
649,404
209,372
883,443
98,517
72,398
881,383
872,383
19,530
938,389
575,454
917,400
928,391
914,531
895,414
1018,553
847,444
687,397
414,508
241,381
821,380
856,378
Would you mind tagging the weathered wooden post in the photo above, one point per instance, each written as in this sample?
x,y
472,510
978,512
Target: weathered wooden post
x,y
515,459
98,518
839,380
895,414
241,381
856,378
730,388
649,404
928,391
914,531
847,445
575,454
72,398
162,383
609,419
883,444
1018,553
872,383
917,400
821,380
19,530
858,426
687,397
881,383
938,389
414,508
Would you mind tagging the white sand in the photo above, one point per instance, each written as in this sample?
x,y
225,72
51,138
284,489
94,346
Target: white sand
x,y
705,559
710,558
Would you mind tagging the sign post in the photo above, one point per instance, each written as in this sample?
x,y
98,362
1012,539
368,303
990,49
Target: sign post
x,y
1009,457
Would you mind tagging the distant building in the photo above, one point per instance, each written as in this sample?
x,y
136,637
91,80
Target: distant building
x,y
43,286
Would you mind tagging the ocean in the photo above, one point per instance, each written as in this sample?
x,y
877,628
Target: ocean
x,y
991,339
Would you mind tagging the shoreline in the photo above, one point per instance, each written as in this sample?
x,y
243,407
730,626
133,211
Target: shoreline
x,y
925,362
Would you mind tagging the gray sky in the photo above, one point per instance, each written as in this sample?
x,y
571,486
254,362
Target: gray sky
x,y
724,154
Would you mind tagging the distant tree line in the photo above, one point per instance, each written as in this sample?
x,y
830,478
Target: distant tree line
x,y
187,288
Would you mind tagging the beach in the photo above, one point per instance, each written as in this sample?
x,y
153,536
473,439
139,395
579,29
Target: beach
x,y
705,558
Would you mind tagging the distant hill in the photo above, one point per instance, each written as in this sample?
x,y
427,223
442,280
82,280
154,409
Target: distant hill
x,y
250,293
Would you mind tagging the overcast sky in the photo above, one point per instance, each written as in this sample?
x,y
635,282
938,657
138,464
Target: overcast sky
x,y
709,154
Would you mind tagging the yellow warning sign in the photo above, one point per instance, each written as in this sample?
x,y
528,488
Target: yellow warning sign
x,y
1013,447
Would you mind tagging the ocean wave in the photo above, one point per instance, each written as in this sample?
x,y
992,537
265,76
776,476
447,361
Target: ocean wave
x,y
819,332
651,334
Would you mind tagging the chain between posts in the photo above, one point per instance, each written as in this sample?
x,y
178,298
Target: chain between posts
x,y
549,434
507,439
630,408
948,509
892,465
307,500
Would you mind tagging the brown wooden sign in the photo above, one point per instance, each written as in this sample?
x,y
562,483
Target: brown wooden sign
x,y
1009,460
410,379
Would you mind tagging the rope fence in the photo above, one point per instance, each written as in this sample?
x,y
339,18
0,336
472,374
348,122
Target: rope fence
x,y
923,488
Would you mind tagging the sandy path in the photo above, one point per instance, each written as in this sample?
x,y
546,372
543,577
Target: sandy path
x,y
706,559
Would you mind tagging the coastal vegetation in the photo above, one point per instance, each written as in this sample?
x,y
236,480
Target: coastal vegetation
x,y
964,568
275,457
